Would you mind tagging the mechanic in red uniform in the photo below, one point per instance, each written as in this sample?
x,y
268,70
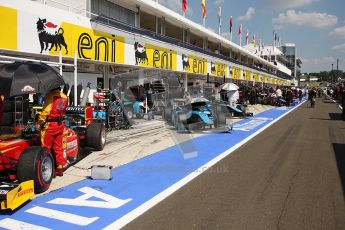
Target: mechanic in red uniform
x,y
50,122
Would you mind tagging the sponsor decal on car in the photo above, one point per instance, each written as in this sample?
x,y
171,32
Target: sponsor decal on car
x,y
72,144
26,191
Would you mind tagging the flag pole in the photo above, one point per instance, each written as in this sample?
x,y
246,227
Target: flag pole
x,y
240,31
219,19
230,28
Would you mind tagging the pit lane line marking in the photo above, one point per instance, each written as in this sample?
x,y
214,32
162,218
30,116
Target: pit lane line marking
x,y
11,224
339,105
124,220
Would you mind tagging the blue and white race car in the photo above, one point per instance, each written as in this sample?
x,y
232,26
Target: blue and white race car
x,y
194,114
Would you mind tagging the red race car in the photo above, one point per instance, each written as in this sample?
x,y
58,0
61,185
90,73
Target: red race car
x,y
23,159
26,167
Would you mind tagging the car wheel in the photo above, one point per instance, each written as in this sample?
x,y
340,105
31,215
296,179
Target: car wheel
x,y
129,113
37,164
141,113
219,118
96,136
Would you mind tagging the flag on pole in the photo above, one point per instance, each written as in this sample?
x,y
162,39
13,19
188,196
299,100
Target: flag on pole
x,y
184,6
274,35
247,36
230,28
254,41
240,34
203,5
240,30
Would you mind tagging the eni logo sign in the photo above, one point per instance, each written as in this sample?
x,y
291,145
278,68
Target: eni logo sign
x,y
153,56
218,69
92,44
193,64
100,46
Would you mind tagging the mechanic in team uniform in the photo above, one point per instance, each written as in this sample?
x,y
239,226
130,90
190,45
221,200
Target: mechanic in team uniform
x,y
52,127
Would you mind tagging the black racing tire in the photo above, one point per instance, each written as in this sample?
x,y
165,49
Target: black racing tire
x,y
96,136
37,164
219,116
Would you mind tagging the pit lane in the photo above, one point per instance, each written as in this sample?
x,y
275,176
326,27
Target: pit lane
x,y
124,146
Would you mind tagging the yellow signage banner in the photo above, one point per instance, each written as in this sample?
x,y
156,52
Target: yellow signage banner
x,y
257,77
218,69
269,80
247,75
194,64
264,78
89,44
236,73
8,28
157,57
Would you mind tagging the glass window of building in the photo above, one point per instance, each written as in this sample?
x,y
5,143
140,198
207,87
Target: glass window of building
x,y
111,10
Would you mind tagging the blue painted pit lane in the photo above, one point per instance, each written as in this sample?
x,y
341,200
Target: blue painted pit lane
x,y
133,184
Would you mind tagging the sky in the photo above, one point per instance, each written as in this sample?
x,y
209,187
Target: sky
x,y
317,27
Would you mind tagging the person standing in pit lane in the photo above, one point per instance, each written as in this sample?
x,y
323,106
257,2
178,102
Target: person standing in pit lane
x,y
52,128
343,102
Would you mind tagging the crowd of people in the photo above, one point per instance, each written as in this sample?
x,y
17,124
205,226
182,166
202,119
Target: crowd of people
x,y
278,95
336,93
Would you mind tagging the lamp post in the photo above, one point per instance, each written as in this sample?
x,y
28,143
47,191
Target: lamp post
x,y
332,76
337,70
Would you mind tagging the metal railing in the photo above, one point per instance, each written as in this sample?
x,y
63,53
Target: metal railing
x,y
62,6
101,19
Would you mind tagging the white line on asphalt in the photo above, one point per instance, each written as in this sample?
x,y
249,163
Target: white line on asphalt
x,y
164,194
11,224
340,107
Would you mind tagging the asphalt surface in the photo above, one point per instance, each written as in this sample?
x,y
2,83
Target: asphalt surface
x,y
291,176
